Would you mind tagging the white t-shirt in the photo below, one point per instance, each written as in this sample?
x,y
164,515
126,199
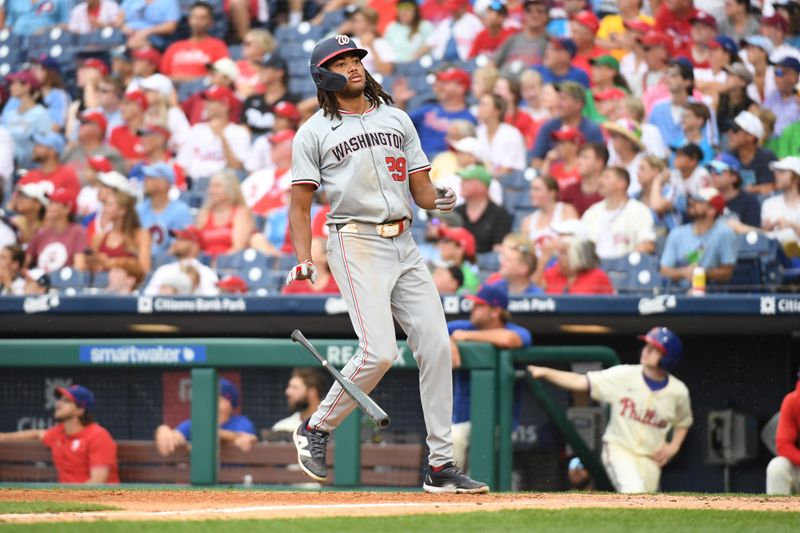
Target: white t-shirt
x,y
208,278
774,209
79,16
259,156
88,202
179,128
465,30
633,168
706,74
640,417
618,232
6,158
288,424
202,154
507,148
698,179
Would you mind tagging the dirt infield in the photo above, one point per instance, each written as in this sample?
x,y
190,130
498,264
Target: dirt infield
x,y
219,504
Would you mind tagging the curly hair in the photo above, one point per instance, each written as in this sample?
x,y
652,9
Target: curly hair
x,y
372,90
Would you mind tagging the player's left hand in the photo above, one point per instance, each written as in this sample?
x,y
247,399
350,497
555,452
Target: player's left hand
x,y
445,199
305,270
664,454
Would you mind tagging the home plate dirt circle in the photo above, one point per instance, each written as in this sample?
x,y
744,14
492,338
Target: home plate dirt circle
x,y
240,504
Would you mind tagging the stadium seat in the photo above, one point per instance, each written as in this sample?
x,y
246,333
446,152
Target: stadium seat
x,y
332,20
101,39
284,262
67,280
635,273
186,89
99,280
757,268
488,261
261,278
243,260
161,260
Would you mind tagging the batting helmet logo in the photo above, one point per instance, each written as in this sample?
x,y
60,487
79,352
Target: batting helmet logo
x,y
326,51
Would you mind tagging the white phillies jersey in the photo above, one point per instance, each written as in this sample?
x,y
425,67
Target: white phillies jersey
x,y
640,417
362,161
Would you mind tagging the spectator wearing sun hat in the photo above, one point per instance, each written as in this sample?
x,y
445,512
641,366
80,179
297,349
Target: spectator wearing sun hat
x,y
783,100
707,242
744,140
159,214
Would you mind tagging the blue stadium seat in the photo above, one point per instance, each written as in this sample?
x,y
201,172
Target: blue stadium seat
x,y
68,280
101,39
293,51
488,261
245,259
635,273
162,259
757,267
333,20
263,279
284,262
99,280
11,52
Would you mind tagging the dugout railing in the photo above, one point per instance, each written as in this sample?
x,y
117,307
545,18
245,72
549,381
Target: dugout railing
x,y
204,357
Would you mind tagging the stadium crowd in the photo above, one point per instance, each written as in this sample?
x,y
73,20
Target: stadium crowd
x,y
147,146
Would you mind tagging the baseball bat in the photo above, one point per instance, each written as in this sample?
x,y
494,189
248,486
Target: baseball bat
x,y
367,404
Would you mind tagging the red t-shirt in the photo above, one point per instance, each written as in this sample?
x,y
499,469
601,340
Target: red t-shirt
x,y
51,251
128,143
485,43
564,176
787,439
304,286
435,11
581,201
582,60
526,125
189,58
75,455
593,281
194,108
677,27
62,177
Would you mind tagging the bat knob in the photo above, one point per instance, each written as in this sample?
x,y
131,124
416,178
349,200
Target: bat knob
x,y
296,335
384,422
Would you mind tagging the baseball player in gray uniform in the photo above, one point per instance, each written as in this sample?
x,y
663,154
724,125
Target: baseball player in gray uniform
x,y
367,156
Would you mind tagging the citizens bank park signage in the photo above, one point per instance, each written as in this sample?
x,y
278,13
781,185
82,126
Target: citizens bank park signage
x,y
155,304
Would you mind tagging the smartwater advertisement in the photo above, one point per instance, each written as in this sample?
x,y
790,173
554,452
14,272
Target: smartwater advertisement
x,y
132,354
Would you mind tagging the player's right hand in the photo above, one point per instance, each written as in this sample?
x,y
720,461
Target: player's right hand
x,y
445,199
305,270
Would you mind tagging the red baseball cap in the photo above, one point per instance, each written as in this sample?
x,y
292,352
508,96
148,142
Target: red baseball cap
x,y
218,94
657,38
567,133
588,19
66,197
149,54
638,25
704,18
99,64
455,74
99,163
190,233
612,93
96,117
25,76
233,284
286,110
462,236
776,21
281,136
139,97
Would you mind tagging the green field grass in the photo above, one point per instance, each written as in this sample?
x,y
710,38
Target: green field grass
x,y
15,507
564,521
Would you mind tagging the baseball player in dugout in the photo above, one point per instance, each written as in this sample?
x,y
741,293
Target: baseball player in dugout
x,y
83,451
366,154
783,472
647,402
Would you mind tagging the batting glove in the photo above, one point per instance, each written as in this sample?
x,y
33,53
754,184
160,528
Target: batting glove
x,y
305,270
446,199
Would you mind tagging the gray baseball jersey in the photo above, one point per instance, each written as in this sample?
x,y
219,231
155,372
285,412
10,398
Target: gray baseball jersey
x,y
362,161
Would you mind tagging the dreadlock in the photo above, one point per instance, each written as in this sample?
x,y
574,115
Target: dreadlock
x,y
372,90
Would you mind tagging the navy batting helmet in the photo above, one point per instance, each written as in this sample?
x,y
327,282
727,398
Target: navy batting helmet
x,y
668,343
325,51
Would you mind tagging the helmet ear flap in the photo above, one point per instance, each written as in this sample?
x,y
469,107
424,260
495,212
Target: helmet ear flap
x,y
326,80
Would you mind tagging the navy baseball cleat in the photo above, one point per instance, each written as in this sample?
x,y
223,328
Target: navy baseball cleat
x,y
312,446
451,480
